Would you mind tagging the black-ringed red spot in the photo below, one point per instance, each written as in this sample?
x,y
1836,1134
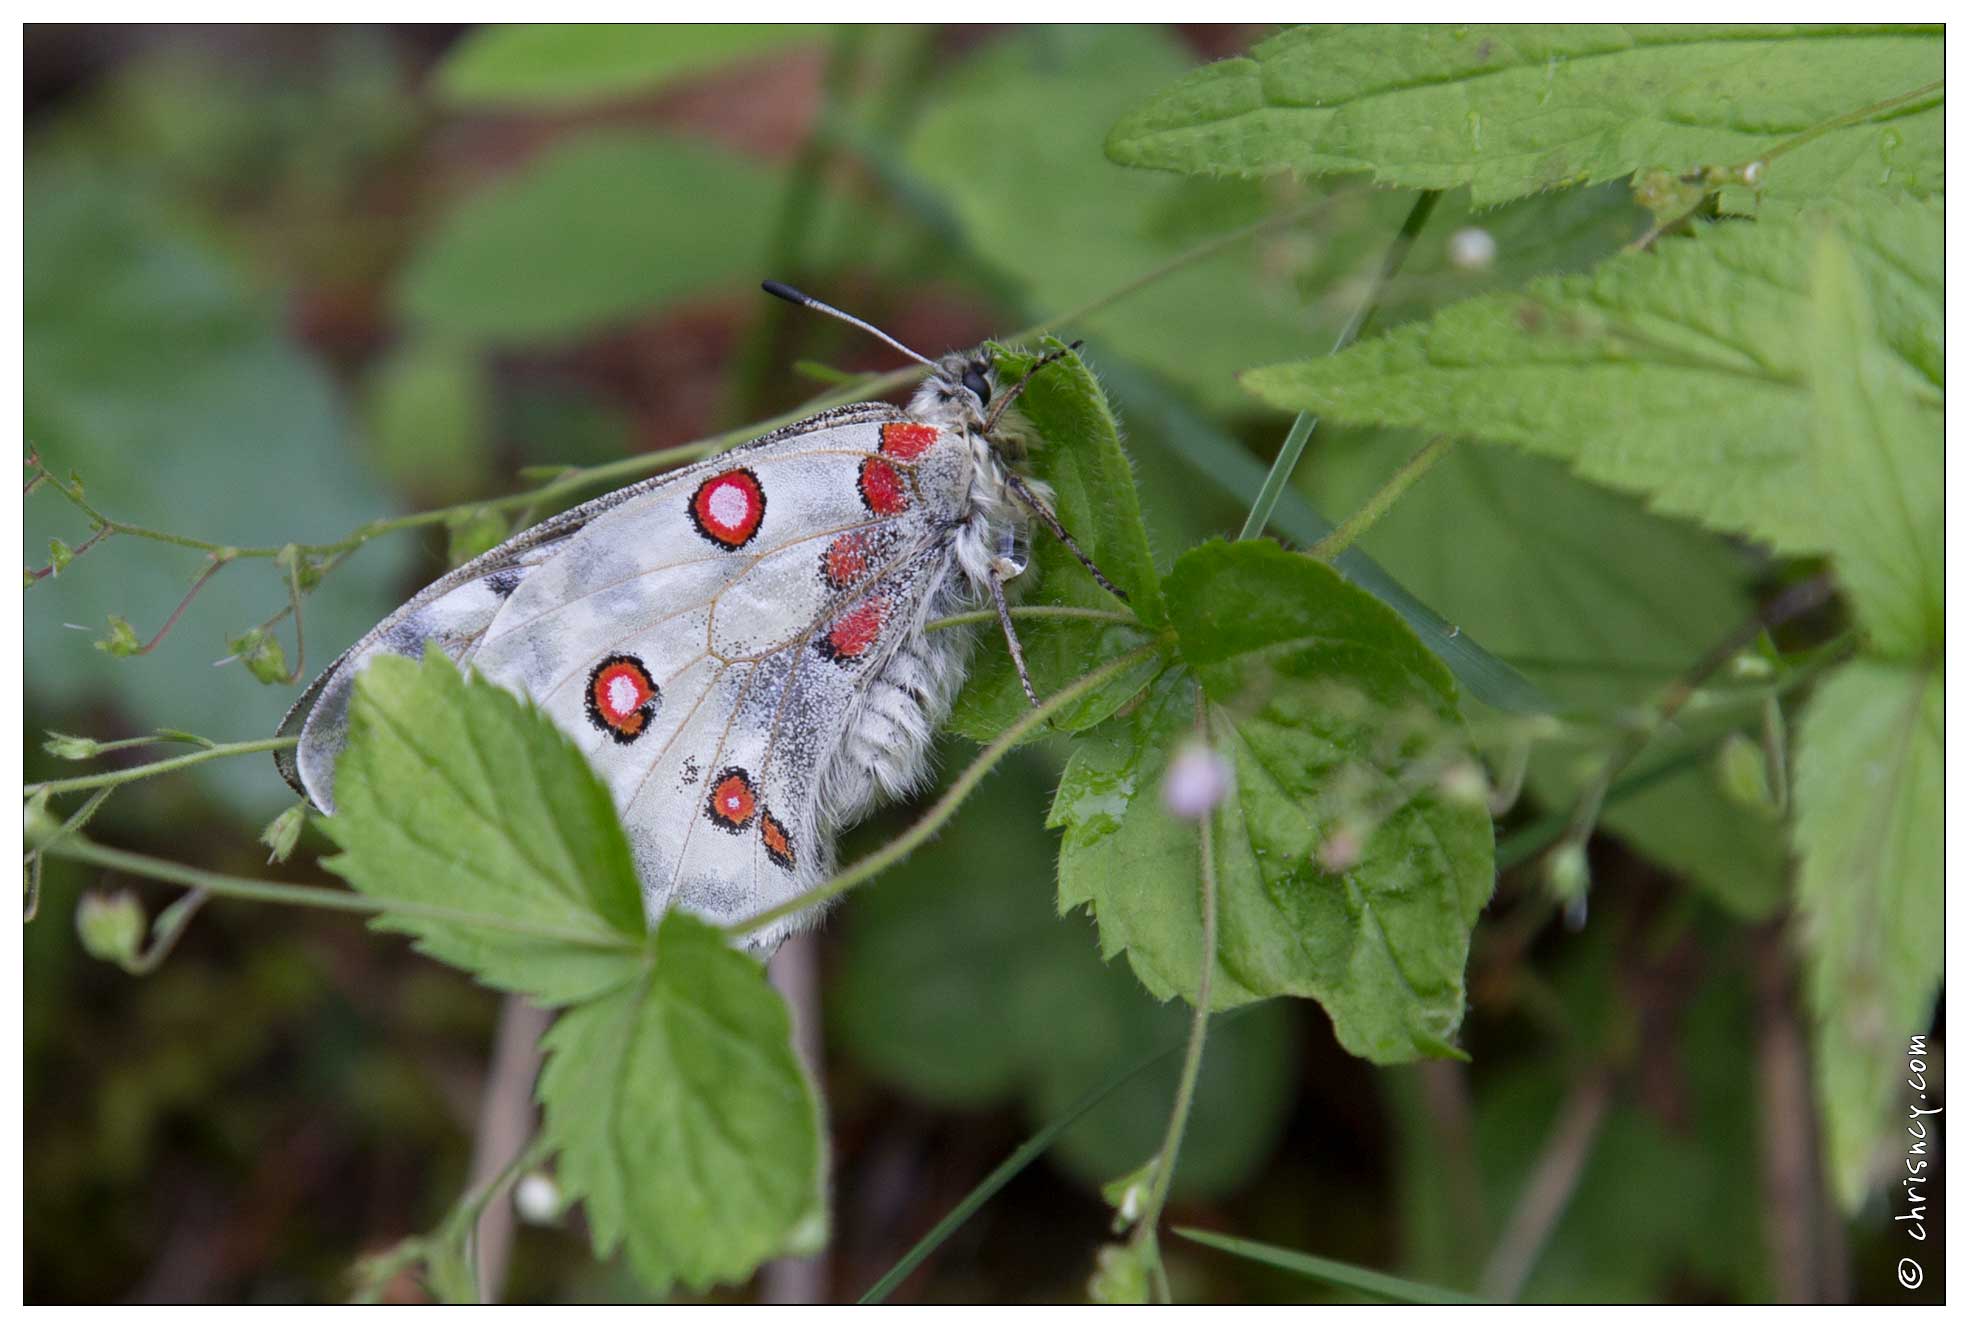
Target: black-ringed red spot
x,y
733,802
906,440
883,491
854,632
779,845
622,697
728,507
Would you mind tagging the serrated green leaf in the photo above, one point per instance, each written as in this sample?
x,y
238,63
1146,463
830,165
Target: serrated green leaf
x,y
683,1119
1600,602
1877,457
457,794
1336,721
597,230
1078,453
1868,829
542,66
1679,374
968,926
1515,110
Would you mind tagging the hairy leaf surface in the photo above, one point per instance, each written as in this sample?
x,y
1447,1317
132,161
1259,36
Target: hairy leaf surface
x,y
1511,110
1680,374
683,1119
456,794
1337,724
1868,799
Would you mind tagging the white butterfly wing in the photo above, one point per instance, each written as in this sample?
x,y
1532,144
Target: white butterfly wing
x,y
719,645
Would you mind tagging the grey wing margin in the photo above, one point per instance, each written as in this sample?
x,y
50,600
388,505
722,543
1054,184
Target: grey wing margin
x,y
452,612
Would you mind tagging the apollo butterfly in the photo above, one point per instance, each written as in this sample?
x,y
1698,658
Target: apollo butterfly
x,y
760,615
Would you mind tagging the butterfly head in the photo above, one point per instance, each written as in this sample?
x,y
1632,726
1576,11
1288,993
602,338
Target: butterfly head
x,y
959,391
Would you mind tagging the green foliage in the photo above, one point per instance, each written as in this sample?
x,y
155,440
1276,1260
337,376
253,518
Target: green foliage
x,y
1680,373
456,794
1877,458
1004,147
539,66
1515,110
1399,1290
1344,873
427,414
597,230
1077,452
1868,803
684,1121
1596,599
672,1091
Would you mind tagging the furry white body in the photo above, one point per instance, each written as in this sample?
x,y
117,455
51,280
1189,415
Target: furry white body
x,y
784,684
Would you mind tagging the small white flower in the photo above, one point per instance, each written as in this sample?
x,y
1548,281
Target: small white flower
x,y
1472,248
1197,781
537,1199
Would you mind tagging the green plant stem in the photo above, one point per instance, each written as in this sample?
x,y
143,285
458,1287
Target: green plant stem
x,y
1294,446
945,806
1145,1238
108,779
1376,507
317,897
1385,1286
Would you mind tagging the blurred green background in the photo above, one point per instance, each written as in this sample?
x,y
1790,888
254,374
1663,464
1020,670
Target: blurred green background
x,y
280,282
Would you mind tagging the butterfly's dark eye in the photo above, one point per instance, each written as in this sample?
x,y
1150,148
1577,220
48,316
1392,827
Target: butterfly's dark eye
x,y
975,381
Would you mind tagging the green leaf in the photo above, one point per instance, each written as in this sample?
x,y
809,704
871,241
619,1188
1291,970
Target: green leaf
x,y
122,641
1600,602
683,1119
968,926
261,652
1077,452
1877,456
553,66
1680,374
455,793
1008,146
1516,110
597,230
1344,874
1868,803
1350,1276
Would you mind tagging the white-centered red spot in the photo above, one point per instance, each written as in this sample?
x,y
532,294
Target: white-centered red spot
x,y
622,697
882,489
733,802
906,440
855,632
728,507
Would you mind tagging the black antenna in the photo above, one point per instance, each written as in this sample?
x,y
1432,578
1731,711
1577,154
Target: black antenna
x,y
805,301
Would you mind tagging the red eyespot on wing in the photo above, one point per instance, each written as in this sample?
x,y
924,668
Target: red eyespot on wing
x,y
854,632
622,697
779,845
727,508
906,440
882,490
733,801
845,561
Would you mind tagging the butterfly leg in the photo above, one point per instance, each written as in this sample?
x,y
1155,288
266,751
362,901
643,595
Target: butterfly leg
x,y
1011,635
1040,511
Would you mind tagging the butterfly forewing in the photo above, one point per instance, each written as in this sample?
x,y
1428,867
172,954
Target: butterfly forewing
x,y
714,642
